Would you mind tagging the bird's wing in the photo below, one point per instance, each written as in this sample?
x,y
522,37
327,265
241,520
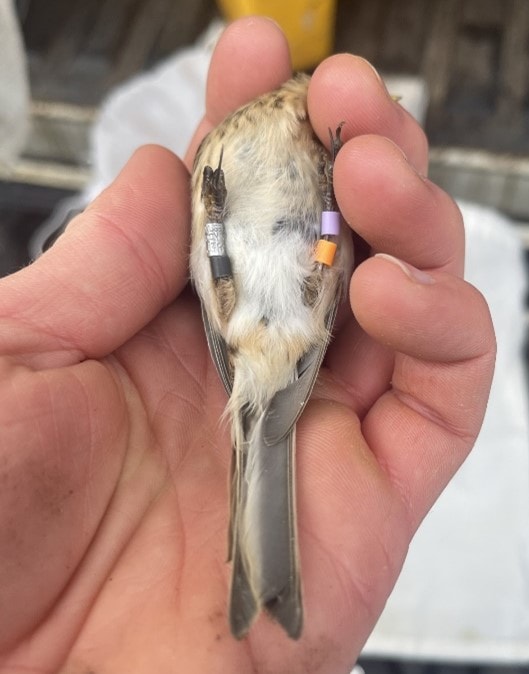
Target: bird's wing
x,y
219,352
266,573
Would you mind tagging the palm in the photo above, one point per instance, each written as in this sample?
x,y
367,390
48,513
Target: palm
x,y
158,516
178,556
114,468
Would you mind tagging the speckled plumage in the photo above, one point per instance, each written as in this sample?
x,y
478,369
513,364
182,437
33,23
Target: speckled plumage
x,y
268,327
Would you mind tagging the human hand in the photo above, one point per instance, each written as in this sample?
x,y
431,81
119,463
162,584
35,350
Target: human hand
x,y
114,463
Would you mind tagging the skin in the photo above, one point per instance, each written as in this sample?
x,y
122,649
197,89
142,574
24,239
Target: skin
x,y
113,461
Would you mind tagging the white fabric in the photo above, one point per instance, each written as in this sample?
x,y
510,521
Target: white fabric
x,y
464,590
163,106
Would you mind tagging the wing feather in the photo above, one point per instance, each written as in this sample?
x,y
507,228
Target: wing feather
x,y
219,352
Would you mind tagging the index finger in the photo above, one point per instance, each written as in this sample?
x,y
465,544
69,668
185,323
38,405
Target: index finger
x,y
112,271
251,58
346,88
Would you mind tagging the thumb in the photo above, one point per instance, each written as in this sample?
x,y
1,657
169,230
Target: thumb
x,y
115,267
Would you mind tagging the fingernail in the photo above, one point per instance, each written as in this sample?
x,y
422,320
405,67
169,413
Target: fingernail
x,y
411,272
375,71
394,99
401,153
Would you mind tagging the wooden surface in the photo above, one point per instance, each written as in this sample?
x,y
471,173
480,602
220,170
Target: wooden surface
x,y
472,53
79,49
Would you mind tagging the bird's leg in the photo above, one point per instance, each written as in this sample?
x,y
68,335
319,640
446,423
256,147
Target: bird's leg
x,y
330,224
214,200
330,217
214,191
326,168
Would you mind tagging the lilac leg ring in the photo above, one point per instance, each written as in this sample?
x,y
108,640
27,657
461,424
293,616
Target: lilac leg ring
x,y
330,223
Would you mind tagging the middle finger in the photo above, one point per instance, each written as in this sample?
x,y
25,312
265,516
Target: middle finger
x,y
395,209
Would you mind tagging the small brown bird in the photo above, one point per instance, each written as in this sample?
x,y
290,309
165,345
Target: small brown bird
x,y
270,264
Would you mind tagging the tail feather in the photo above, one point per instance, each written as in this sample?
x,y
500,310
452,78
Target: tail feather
x,y
264,539
244,606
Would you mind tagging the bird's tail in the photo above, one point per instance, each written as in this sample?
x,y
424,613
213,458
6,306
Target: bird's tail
x,y
263,535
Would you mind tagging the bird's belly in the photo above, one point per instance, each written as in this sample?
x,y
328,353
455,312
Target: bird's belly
x,y
271,261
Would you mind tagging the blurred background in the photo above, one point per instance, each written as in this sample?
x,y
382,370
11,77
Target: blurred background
x,y
463,68
472,55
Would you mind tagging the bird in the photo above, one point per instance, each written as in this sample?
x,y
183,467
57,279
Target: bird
x,y
270,261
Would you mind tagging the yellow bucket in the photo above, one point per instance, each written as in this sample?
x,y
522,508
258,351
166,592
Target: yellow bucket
x,y
307,24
